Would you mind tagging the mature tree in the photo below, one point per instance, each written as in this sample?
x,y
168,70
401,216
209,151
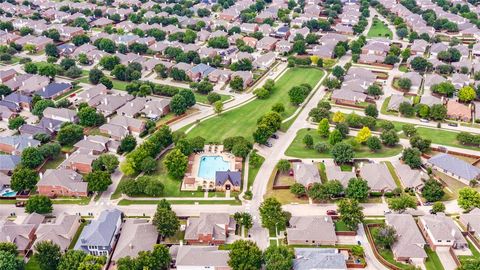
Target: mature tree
x,y
470,264
438,112
324,128
51,50
69,134
89,117
467,94
438,207
91,262
419,64
244,255
308,141
39,204
176,163
404,83
159,258
283,165
9,247
218,107
32,157
385,236
47,69
298,190
318,114
444,88
279,258
432,190
374,90
98,181
48,255
23,179
127,144
272,214
402,202
421,144
389,137
338,117
371,110
363,135
328,190
468,198
41,105
237,83
16,122
178,104
338,72
166,220
335,137
106,162
244,219
374,143
411,157
406,109
350,213
409,130
357,189
9,261
342,152
71,259
298,94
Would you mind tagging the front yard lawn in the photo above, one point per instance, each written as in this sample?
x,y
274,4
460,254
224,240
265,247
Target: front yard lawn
x,y
432,262
252,173
298,150
387,254
443,137
203,98
394,174
242,121
379,29
32,264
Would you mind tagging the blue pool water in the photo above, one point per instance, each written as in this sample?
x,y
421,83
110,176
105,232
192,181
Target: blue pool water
x,y
8,193
209,165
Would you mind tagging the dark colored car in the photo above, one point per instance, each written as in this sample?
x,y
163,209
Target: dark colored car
x,y
331,212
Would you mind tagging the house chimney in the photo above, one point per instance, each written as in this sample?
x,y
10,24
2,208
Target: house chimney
x,y
108,119
40,174
105,100
50,125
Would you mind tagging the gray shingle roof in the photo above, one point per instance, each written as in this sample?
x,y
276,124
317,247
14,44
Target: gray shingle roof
x,y
410,241
455,166
222,176
318,258
9,162
100,231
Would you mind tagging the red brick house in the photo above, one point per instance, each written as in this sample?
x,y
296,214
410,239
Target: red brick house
x,y
62,182
209,228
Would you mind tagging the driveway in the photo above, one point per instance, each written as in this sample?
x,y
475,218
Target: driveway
x,y
446,258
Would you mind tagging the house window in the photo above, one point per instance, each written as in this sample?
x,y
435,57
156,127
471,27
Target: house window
x,y
448,241
439,241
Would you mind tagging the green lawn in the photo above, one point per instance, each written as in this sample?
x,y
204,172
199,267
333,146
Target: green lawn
x,y
297,148
203,98
341,227
443,137
323,172
387,254
54,163
252,172
394,174
242,121
32,264
226,202
77,235
379,29
432,262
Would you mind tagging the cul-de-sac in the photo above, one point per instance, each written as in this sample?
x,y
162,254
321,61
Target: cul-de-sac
x,y
239,134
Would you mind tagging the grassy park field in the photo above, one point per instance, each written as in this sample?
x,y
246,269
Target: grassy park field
x,y
242,121
379,29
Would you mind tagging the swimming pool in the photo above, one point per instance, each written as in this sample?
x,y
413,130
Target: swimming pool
x,y
8,193
209,165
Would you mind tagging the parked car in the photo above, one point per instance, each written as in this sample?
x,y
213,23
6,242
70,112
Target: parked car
x,y
20,204
423,120
453,124
387,212
428,203
268,144
274,136
331,212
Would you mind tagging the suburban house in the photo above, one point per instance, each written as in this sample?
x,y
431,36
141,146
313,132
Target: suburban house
x,y
378,177
311,230
18,100
62,182
199,257
137,235
410,244
61,231
454,167
61,114
409,177
22,234
8,163
334,172
415,78
132,108
458,111
93,144
348,97
80,162
319,258
99,236
395,101
471,221
6,75
209,228
154,109
306,174
15,144
441,231
134,126
228,180
54,90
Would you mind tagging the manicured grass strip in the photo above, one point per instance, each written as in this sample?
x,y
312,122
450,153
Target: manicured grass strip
x,y
252,172
432,262
340,226
81,201
203,98
226,202
394,174
77,235
297,148
323,172
32,264
242,121
443,137
379,29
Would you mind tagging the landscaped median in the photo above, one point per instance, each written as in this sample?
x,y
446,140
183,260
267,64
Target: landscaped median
x,y
242,121
297,148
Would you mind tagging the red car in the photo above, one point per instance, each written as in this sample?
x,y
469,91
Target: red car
x,y
331,212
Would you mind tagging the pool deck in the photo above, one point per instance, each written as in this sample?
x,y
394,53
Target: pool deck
x,y
209,151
